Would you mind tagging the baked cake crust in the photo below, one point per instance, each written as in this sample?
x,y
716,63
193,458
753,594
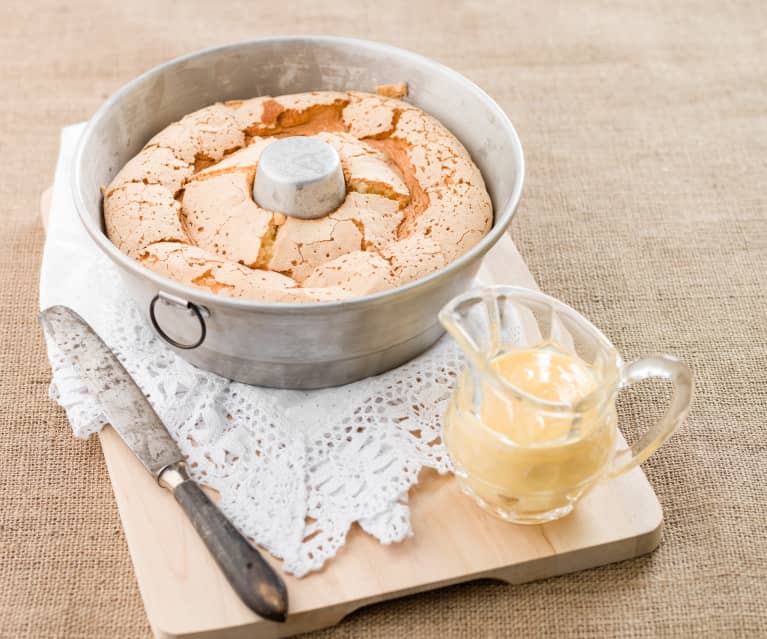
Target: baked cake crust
x,y
184,208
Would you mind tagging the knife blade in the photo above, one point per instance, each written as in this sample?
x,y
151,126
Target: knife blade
x,y
124,405
129,412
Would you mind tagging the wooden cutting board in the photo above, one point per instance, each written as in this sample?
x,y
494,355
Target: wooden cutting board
x,y
185,594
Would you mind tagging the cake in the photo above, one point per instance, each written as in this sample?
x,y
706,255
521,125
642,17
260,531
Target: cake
x,y
415,201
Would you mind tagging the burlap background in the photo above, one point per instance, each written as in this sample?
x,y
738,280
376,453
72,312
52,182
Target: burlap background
x,y
645,130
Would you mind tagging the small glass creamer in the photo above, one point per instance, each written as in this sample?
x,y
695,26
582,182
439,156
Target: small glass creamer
x,y
532,425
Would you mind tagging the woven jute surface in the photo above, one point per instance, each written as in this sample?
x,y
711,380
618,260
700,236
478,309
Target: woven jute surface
x,y
645,131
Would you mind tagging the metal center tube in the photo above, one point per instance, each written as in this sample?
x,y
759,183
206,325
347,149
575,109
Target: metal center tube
x,y
300,177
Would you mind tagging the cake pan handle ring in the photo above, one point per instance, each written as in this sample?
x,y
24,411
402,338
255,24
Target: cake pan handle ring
x,y
200,312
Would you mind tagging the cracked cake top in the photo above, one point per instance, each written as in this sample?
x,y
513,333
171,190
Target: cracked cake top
x,y
184,205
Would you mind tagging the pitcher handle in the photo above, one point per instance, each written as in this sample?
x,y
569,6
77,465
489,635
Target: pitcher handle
x,y
667,367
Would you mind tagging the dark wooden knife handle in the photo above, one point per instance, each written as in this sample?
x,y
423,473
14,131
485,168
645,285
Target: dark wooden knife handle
x,y
254,580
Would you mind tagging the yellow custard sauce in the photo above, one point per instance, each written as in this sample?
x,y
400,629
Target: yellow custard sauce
x,y
530,449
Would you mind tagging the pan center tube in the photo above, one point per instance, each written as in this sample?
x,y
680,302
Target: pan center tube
x,y
300,177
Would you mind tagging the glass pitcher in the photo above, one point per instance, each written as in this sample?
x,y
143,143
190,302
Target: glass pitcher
x,y
532,426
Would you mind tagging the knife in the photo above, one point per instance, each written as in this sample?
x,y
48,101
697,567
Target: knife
x,y
132,416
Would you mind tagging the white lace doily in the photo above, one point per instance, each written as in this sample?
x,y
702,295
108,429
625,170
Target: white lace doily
x,y
294,469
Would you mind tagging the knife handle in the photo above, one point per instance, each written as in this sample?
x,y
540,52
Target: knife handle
x,y
254,580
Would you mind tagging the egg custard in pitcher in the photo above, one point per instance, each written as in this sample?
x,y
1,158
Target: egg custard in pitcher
x,y
532,425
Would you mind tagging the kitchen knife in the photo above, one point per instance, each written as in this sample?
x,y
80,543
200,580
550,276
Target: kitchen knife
x,y
132,416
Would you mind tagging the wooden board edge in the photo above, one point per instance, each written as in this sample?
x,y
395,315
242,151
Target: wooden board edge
x,y
524,572
46,198
106,435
